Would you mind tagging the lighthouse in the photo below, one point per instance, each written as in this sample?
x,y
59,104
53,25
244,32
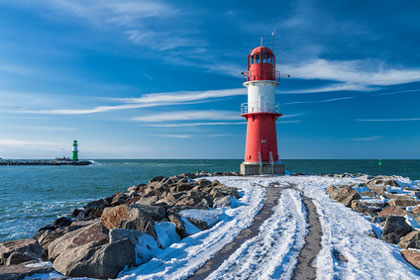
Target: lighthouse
x,y
261,113
75,151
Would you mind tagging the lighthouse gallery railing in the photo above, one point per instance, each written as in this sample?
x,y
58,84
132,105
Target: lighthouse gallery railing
x,y
258,107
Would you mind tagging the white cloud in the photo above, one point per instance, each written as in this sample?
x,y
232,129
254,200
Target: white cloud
x,y
146,101
195,124
354,73
320,101
15,143
182,96
179,136
367,139
389,120
400,91
190,115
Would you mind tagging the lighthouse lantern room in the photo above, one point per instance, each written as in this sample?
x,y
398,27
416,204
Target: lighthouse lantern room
x,y
261,113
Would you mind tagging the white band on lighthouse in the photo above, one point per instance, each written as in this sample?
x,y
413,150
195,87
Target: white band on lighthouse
x,y
261,96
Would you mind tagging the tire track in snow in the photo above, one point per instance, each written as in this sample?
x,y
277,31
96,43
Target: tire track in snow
x,y
272,195
272,252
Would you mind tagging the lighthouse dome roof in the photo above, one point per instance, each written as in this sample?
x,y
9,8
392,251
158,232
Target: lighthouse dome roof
x,y
261,49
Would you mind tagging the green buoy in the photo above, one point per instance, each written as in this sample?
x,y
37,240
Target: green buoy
x,y
75,151
380,162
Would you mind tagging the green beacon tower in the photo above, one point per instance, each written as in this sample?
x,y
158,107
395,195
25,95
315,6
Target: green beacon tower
x,y
75,151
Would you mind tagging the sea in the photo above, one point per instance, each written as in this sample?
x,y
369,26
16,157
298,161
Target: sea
x,y
34,196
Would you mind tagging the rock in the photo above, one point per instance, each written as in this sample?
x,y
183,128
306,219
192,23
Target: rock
x,y
411,240
62,222
384,182
104,261
95,234
221,202
156,179
145,243
20,271
204,182
331,189
118,199
412,256
148,201
362,206
78,214
403,202
395,228
17,258
393,211
397,196
179,224
415,210
202,225
95,208
344,195
369,194
45,237
29,247
138,217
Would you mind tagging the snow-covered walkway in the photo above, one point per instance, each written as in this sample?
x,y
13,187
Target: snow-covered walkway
x,y
273,253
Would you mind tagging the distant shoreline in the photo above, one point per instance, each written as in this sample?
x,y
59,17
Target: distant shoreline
x,y
44,162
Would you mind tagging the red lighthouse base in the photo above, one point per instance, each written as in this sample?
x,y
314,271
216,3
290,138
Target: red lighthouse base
x,y
261,155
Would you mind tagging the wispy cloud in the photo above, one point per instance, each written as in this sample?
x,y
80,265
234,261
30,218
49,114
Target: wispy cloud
x,y
354,74
16,143
179,136
190,115
146,101
367,139
399,91
319,101
389,120
194,124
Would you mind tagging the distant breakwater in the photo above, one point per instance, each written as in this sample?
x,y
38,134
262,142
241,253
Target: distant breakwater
x,y
44,162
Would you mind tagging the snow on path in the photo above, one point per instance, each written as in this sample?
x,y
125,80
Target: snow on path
x,y
272,254
346,232
182,259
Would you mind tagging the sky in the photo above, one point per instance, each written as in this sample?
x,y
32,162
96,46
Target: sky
x,y
162,79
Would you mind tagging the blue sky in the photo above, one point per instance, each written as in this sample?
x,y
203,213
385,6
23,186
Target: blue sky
x,y
159,79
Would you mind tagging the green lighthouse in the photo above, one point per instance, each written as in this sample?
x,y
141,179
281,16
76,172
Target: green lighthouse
x,y
75,151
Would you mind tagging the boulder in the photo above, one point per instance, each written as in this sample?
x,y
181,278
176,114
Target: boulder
x,y
395,228
369,194
179,224
20,271
415,210
221,202
202,225
17,258
156,179
95,208
144,243
28,247
62,222
47,235
412,256
344,195
366,208
95,234
205,182
403,202
138,217
411,240
383,181
393,211
103,262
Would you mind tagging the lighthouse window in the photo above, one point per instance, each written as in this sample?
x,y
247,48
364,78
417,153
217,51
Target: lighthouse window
x,y
257,58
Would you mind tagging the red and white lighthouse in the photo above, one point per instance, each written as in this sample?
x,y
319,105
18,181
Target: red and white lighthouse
x,y
261,113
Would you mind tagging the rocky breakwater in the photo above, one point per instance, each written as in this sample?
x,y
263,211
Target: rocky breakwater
x,y
122,230
394,207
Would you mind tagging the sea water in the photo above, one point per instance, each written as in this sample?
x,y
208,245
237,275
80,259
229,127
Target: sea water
x,y
34,196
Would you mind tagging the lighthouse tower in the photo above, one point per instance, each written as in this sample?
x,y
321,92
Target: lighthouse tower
x,y
75,151
261,113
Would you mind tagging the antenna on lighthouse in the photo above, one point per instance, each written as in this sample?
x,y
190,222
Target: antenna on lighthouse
x,y
261,41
